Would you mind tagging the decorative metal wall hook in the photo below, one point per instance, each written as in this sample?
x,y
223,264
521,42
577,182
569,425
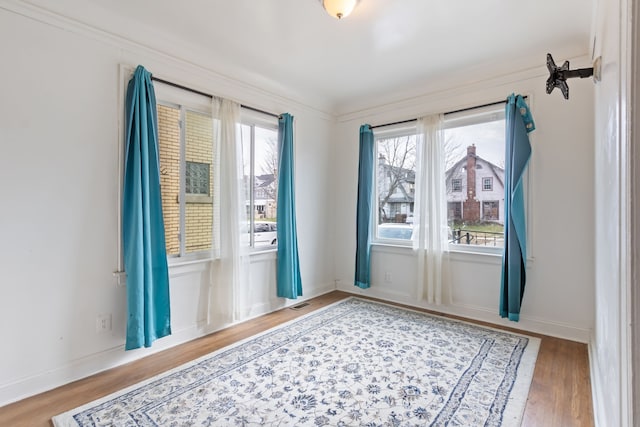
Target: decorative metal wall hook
x,y
558,75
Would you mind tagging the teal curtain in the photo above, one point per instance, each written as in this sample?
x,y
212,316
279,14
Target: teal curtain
x,y
145,258
364,215
289,284
519,123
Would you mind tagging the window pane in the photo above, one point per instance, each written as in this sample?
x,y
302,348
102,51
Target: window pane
x,y
197,178
259,147
395,176
169,148
487,184
265,185
198,181
474,158
246,164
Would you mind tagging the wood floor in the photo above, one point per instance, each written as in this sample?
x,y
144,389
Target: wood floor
x,y
560,393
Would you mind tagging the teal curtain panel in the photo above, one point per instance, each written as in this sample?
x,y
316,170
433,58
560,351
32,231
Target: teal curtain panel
x,y
364,215
145,257
519,123
289,283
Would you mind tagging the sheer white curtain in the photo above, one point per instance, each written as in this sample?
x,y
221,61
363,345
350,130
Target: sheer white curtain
x,y
430,211
230,270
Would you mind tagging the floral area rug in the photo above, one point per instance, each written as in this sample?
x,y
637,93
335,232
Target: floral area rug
x,y
354,363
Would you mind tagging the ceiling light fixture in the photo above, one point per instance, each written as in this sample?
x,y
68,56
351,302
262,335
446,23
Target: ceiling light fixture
x,y
339,8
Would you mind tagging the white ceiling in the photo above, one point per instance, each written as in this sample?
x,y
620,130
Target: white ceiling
x,y
386,50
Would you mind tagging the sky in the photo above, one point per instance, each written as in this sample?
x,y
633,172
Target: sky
x,y
488,138
265,143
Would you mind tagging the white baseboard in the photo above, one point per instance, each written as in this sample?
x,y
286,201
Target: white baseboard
x,y
110,358
113,357
89,365
484,314
274,304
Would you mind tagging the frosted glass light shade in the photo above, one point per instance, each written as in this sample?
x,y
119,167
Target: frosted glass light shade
x,y
339,8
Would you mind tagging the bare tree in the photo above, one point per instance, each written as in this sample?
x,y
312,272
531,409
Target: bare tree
x,y
396,169
397,161
453,151
269,167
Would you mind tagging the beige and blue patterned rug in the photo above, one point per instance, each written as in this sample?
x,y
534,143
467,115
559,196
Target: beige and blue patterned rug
x,y
354,363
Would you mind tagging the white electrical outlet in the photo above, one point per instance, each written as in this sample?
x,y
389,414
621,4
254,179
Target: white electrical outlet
x,y
387,277
103,323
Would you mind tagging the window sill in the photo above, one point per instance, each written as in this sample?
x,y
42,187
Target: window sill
x,y
391,248
392,244
263,254
191,258
271,249
475,250
451,249
182,266
456,253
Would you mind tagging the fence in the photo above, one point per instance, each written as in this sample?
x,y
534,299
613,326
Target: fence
x,y
479,238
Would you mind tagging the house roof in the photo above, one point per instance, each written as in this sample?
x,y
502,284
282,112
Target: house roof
x,y
408,176
498,172
264,180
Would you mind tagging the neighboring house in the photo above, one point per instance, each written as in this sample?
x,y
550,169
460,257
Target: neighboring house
x,y
475,189
264,202
396,191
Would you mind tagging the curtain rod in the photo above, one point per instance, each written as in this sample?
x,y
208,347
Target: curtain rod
x,y
490,104
208,95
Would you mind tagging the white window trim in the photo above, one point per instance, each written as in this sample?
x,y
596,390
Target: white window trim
x,y
125,71
490,180
165,95
253,118
387,132
467,117
124,74
188,102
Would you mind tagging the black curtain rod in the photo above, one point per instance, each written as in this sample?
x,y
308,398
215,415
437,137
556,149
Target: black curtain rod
x,y
208,95
394,123
490,104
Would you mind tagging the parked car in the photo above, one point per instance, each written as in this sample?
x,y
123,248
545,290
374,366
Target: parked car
x,y
395,231
265,233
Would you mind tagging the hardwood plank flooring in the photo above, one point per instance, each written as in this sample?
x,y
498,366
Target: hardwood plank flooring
x,y
560,393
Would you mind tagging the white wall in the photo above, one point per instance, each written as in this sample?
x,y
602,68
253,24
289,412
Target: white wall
x,y
559,294
610,351
59,118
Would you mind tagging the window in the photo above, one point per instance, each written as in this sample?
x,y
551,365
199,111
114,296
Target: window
x,y
474,147
187,173
454,210
185,141
487,184
490,210
197,178
260,164
395,183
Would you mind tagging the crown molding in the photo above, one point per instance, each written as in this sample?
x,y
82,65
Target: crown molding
x,y
183,60
444,95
